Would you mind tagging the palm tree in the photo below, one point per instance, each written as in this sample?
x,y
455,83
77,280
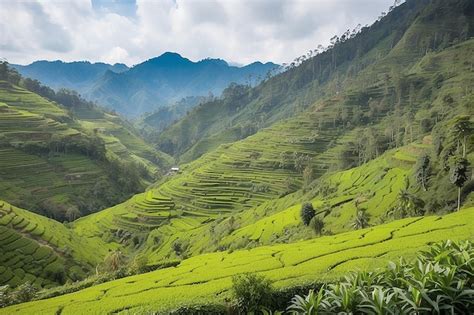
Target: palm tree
x,y
461,129
361,220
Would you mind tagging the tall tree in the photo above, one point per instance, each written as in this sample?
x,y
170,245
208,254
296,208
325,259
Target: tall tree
x,y
458,174
461,130
422,171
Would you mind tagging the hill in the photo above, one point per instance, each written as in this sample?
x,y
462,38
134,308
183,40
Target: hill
x,y
206,279
43,251
249,192
380,56
157,82
58,159
363,158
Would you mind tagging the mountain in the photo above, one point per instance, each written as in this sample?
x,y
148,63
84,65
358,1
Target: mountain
x,y
78,75
357,156
147,86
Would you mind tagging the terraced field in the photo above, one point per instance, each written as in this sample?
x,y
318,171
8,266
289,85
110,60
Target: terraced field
x,y
122,144
207,278
31,128
42,251
229,180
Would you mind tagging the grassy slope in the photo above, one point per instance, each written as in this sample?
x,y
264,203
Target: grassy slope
x,y
207,278
244,180
27,118
40,250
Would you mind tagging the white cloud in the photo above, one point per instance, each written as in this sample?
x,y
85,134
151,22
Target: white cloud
x,y
236,30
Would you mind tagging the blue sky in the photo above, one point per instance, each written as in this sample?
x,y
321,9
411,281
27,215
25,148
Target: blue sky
x,y
121,7
131,31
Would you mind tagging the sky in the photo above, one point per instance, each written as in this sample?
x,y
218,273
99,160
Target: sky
x,y
131,31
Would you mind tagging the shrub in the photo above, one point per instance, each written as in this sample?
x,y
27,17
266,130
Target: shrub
x,y
440,281
251,292
114,261
138,265
23,293
307,213
4,299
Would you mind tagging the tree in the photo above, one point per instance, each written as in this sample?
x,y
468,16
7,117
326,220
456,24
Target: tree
x,y
422,171
458,175
461,130
317,225
72,213
361,220
307,213
308,176
408,204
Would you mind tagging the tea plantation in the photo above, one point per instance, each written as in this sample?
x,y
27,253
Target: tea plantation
x,y
47,158
42,251
206,278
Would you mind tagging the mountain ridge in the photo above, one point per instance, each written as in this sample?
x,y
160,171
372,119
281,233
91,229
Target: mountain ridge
x,y
156,82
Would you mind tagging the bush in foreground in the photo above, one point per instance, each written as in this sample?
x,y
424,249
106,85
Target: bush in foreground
x,y
439,281
251,292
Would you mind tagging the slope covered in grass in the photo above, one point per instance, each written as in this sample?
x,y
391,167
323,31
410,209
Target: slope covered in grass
x,y
42,251
236,185
207,278
55,159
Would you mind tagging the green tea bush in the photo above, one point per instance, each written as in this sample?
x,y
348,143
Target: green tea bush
x,y
439,281
251,292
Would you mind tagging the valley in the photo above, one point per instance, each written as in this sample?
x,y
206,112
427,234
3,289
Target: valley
x,y
354,158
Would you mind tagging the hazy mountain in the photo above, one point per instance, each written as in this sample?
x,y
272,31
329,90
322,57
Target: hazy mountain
x,y
77,75
147,86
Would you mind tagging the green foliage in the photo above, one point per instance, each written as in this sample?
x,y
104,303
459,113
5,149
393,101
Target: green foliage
x,y
307,213
361,220
251,292
458,174
422,171
4,298
23,293
438,282
114,261
138,265
317,225
458,171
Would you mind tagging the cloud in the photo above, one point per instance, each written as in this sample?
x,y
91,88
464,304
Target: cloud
x,y
131,31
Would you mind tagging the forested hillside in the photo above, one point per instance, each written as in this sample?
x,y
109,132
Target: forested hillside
x,y
375,59
359,154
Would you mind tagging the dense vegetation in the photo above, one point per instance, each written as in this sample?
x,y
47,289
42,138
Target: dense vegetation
x,y
439,281
378,63
354,156
206,280
88,159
